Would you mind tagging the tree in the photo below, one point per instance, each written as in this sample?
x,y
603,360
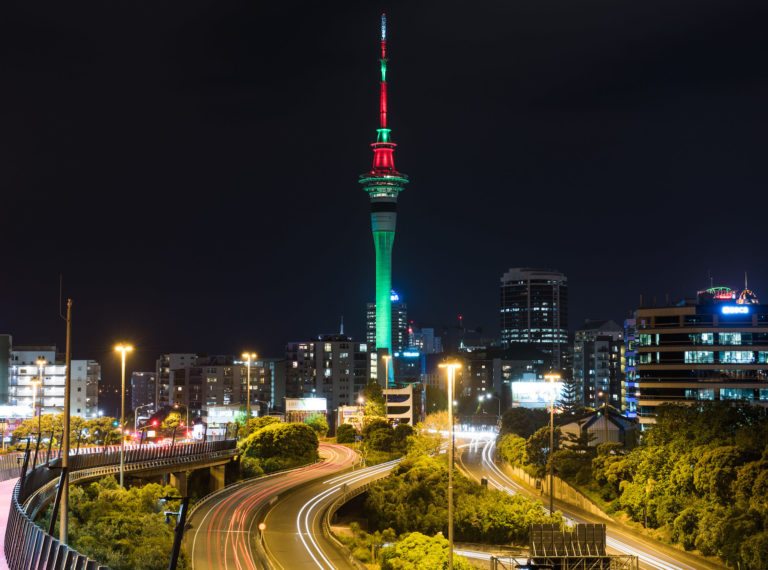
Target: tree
x,y
375,406
281,445
123,529
523,422
400,435
171,423
381,440
375,424
318,423
437,421
416,551
511,448
255,424
346,433
571,401
538,451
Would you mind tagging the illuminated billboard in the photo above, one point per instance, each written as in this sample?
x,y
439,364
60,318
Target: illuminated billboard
x,y
535,394
305,405
737,310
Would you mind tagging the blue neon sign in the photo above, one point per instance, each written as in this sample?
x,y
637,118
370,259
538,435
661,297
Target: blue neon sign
x,y
735,310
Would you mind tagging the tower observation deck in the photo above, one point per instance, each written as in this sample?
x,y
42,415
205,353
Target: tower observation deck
x,y
383,183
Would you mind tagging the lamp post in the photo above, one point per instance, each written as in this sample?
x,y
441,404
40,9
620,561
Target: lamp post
x,y
248,357
136,416
269,406
604,396
386,358
123,349
551,377
451,371
41,362
487,396
35,384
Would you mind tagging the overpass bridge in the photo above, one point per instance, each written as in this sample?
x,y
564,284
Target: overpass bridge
x,y
29,547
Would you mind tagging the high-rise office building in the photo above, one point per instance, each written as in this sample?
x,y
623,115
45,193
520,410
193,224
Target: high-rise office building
x,y
399,327
713,347
597,351
534,309
383,183
425,340
629,370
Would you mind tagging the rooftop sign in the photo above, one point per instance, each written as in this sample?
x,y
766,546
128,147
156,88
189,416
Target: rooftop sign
x,y
738,310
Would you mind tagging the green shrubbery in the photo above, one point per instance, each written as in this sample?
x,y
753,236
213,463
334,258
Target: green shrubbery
x,y
122,529
280,446
416,551
700,476
413,498
318,423
346,433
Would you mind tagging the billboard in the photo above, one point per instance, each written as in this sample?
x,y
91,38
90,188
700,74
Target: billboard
x,y
305,405
535,394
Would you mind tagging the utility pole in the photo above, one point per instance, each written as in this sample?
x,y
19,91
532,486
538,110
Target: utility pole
x,y
64,514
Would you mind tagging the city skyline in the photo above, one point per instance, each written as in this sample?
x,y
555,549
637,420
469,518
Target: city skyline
x,y
180,237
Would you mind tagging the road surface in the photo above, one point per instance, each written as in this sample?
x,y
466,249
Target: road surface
x,y
224,528
294,539
476,458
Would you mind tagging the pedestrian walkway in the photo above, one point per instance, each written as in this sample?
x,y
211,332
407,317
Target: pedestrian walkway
x,y
6,488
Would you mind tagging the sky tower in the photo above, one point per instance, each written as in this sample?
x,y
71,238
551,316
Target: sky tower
x,y
383,183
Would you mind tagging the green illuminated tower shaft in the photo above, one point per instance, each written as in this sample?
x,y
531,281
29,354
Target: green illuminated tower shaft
x,y
383,184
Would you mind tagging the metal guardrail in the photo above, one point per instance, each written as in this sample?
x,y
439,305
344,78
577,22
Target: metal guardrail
x,y
29,547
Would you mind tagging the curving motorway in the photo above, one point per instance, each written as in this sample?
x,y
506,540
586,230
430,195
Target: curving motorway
x,y
477,460
294,539
225,527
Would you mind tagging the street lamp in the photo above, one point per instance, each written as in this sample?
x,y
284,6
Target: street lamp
x,y
551,377
41,362
136,416
123,349
35,384
488,396
248,357
386,358
451,368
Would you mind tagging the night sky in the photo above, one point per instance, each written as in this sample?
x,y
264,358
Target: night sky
x,y
191,168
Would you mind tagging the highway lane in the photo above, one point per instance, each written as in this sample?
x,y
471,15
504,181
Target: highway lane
x,y
223,529
477,459
294,539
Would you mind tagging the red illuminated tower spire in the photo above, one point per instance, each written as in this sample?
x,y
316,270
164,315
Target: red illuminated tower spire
x,y
383,184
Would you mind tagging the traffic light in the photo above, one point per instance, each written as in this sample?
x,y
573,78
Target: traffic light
x,y
154,423
115,423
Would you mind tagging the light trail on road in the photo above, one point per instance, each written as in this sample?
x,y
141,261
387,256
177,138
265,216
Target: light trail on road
x,y
222,537
643,549
307,518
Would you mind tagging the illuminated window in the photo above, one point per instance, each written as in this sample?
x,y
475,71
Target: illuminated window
x,y
730,338
328,347
736,394
699,357
702,338
737,356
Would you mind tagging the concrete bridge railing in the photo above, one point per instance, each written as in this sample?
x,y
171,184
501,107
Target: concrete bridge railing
x,y
29,547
